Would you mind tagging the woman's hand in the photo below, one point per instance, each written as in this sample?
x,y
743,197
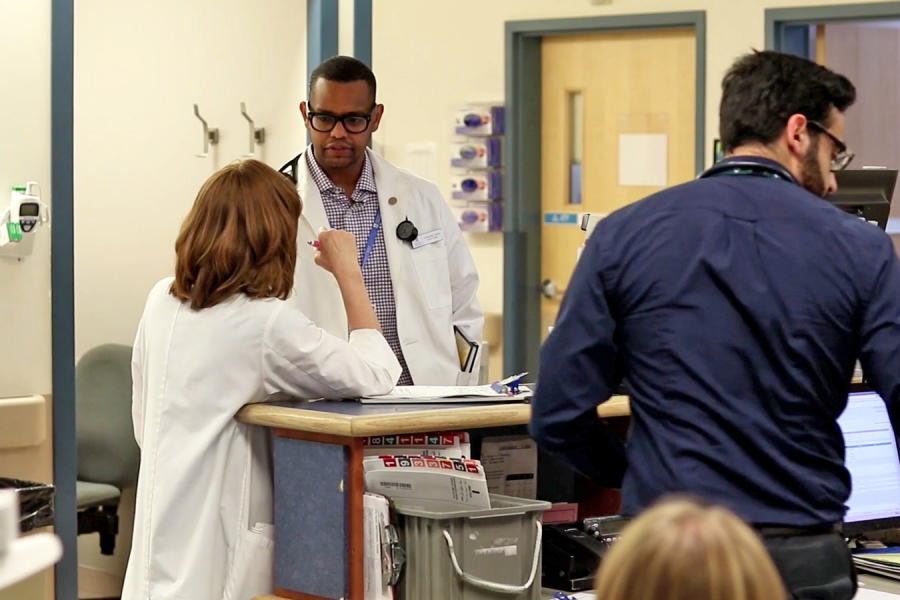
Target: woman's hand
x,y
337,253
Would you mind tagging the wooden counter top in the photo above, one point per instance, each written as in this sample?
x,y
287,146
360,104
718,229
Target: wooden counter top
x,y
352,419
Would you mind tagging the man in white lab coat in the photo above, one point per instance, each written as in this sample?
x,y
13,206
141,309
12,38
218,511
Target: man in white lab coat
x,y
417,267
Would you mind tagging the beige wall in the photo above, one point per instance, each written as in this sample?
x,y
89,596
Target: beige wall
x,y
25,353
139,68
433,56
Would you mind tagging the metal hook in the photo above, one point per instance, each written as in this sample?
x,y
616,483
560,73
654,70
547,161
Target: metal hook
x,y
257,136
210,136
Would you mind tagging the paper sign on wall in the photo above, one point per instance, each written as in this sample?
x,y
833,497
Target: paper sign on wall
x,y
644,159
421,159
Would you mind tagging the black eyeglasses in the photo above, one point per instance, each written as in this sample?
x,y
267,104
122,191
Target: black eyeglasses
x,y
843,156
324,122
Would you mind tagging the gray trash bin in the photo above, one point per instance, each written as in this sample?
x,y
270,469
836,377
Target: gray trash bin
x,y
482,554
36,502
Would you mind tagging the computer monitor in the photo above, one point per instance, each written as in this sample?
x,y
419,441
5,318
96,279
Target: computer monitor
x,y
873,462
866,193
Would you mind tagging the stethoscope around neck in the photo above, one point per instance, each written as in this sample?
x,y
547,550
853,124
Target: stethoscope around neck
x,y
406,231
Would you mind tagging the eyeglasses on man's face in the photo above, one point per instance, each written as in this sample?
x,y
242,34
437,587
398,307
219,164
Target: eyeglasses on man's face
x,y
353,123
842,155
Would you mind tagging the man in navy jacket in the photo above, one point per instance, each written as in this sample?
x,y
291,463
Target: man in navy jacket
x,y
735,307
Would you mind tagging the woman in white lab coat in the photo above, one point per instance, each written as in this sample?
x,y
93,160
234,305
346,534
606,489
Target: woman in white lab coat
x,y
215,337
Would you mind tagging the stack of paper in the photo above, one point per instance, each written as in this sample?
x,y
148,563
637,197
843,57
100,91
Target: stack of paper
x,y
376,519
510,464
882,561
423,394
428,483
444,444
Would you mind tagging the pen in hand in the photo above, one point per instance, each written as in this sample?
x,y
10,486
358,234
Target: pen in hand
x,y
316,243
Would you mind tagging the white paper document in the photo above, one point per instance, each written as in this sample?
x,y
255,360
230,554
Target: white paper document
x,y
644,159
421,159
416,394
866,594
510,466
427,482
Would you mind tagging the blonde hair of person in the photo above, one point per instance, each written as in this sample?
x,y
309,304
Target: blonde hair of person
x,y
680,549
240,237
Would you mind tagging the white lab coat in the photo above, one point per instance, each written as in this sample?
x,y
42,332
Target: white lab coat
x,y
203,520
435,286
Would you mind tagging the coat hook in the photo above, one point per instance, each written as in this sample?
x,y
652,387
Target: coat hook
x,y
210,136
257,136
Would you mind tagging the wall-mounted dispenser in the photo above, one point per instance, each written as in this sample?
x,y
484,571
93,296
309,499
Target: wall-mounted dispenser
x,y
20,222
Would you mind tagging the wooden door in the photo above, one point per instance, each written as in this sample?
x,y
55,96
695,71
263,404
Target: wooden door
x,y
618,123
820,44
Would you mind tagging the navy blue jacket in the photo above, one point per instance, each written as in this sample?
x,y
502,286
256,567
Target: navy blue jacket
x,y
734,307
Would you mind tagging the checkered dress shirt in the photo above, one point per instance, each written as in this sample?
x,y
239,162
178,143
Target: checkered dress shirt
x,y
357,215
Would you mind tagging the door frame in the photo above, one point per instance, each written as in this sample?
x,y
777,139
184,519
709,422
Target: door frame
x,y
779,19
62,297
522,180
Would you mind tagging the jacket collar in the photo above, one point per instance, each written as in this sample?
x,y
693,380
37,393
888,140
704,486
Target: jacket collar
x,y
750,165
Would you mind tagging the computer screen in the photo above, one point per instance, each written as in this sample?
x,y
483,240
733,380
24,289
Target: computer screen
x,y
873,462
866,193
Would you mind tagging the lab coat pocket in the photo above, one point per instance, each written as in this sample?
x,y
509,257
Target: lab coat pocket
x,y
434,274
252,569
464,379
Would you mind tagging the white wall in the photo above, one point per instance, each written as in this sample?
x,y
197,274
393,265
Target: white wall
x,y
139,68
25,354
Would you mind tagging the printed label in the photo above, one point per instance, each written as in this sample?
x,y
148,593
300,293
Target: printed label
x,y
500,551
561,218
428,238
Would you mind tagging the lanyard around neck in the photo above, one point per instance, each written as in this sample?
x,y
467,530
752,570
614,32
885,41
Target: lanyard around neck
x,y
739,172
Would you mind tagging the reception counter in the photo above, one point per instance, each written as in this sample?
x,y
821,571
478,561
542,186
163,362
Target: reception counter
x,y
352,419
319,485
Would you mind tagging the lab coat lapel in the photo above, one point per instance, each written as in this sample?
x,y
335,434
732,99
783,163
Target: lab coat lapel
x,y
391,185
314,213
316,292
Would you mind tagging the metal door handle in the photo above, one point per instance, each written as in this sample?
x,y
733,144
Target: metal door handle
x,y
549,289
